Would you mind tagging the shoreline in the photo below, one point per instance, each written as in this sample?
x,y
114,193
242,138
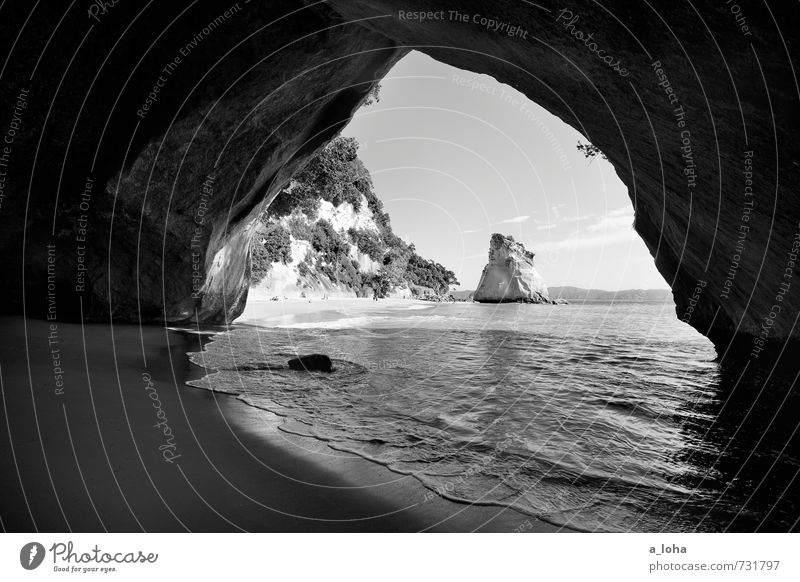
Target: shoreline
x,y
97,457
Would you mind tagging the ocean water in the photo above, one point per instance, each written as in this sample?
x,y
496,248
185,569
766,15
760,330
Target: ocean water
x,y
596,417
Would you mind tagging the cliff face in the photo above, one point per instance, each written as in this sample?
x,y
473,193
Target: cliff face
x,y
104,197
509,276
303,274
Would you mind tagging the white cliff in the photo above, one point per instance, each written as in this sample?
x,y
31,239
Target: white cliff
x,y
509,276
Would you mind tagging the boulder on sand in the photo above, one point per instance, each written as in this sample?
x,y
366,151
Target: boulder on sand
x,y
312,363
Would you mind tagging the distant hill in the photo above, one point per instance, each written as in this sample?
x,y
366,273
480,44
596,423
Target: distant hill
x,y
578,295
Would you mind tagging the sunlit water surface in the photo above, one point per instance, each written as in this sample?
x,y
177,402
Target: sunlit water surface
x,y
597,417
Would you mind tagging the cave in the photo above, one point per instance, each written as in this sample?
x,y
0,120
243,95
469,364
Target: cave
x,y
130,185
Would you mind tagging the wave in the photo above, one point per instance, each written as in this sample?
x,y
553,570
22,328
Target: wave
x,y
479,415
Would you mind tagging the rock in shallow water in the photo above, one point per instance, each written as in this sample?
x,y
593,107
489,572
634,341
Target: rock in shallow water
x,y
509,275
312,363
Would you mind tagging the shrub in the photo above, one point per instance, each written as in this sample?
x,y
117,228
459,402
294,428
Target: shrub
x,y
260,263
590,151
321,236
392,241
278,244
298,196
380,282
347,273
337,175
299,226
367,242
373,96
429,274
303,269
394,266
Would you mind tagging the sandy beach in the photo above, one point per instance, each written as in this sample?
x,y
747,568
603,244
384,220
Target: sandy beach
x,y
315,309
104,435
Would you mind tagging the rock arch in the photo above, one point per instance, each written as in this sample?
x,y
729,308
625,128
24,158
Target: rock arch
x,y
142,155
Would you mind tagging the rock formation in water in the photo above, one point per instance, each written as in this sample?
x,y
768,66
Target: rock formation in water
x,y
142,151
509,276
311,363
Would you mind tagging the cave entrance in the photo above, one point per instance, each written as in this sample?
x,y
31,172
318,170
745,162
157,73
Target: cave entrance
x,y
425,174
453,157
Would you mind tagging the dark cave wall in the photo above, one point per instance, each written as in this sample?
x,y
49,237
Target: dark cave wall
x,y
252,101
161,234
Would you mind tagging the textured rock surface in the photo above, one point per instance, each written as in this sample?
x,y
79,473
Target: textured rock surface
x,y
510,276
165,230
311,363
249,103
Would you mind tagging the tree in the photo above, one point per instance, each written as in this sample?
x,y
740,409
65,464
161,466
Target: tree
x,y
278,244
337,175
431,274
260,263
328,242
367,242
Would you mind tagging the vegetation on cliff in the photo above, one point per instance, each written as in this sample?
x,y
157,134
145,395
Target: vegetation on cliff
x,y
336,175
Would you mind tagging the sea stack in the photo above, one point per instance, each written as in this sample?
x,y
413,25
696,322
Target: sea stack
x,y
509,276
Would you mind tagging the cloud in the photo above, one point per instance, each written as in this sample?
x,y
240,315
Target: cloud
x,y
613,220
547,226
471,231
615,227
515,220
482,255
578,218
587,242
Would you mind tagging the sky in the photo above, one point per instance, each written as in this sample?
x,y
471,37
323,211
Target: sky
x,y
456,156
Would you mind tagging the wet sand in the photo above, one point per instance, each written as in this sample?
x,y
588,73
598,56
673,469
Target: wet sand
x,y
100,433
